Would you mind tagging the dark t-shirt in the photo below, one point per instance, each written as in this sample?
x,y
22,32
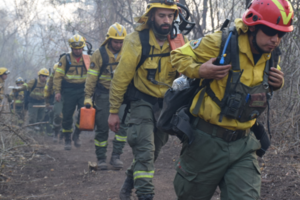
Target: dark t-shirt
x,y
256,57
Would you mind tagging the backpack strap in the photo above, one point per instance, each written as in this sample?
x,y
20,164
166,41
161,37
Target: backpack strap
x,y
144,38
146,48
34,85
235,58
105,60
68,62
105,63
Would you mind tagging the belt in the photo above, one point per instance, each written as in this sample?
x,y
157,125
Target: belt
x,y
223,133
133,94
100,89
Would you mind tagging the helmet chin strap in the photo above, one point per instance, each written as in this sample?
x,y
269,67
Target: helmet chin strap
x,y
255,45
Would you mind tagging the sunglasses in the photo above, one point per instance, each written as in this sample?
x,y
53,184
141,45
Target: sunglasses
x,y
270,31
43,76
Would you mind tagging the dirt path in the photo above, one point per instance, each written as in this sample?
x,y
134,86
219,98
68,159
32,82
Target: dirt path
x,y
53,173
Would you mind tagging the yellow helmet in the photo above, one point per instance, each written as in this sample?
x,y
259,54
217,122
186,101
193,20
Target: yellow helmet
x,y
115,31
19,80
4,70
44,72
76,42
167,4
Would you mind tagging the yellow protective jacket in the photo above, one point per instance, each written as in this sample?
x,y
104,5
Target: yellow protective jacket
x,y
126,70
48,90
37,94
18,98
1,90
188,60
94,70
75,76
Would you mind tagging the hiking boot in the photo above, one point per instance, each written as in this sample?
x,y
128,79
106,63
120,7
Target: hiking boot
x,y
75,138
61,138
125,192
55,134
102,164
54,139
116,162
68,145
146,197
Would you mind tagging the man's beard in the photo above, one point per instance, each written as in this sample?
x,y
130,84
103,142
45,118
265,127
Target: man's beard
x,y
77,54
115,50
160,30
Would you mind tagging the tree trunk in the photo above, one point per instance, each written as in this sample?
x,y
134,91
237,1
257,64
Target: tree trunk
x,y
247,3
204,14
211,15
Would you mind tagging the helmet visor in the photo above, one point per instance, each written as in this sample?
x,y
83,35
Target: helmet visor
x,y
76,44
19,80
167,2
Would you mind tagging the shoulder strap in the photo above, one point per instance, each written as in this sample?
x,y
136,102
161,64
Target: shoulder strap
x,y
144,38
68,62
34,85
105,60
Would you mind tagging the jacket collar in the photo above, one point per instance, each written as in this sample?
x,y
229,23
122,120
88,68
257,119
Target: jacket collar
x,y
110,54
244,44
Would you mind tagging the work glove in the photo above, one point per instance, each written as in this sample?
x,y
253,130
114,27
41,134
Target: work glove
x,y
88,103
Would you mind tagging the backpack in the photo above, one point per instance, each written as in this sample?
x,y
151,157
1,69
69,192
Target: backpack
x,y
175,118
27,95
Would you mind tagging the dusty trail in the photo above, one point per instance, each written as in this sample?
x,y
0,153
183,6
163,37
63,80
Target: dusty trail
x,y
54,173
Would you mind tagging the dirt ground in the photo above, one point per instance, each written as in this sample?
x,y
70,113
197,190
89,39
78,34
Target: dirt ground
x,y
53,173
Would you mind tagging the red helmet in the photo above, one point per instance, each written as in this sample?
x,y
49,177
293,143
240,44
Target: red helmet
x,y
276,14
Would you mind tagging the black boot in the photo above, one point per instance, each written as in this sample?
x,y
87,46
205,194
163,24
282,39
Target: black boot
x,y
75,138
102,164
146,197
127,186
68,145
61,137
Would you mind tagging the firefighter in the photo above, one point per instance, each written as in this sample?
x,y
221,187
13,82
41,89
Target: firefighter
x,y
18,101
223,152
34,90
55,113
69,80
146,73
3,75
103,63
